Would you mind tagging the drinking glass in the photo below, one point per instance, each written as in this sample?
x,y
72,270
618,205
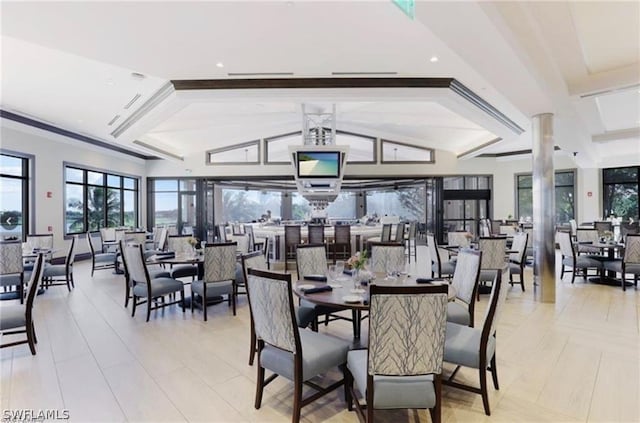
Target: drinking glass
x,y
339,268
390,268
333,274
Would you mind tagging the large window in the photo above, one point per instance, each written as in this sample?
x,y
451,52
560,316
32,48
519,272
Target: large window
x,y
466,200
14,194
406,202
247,205
96,199
565,195
620,192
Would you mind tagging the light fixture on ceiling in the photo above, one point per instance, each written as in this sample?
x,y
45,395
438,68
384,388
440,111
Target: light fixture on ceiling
x,y
220,65
434,59
137,75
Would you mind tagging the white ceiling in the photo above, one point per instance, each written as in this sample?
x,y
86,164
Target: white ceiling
x,y
71,64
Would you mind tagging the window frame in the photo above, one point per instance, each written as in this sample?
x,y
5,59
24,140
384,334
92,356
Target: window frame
x,y
606,208
28,188
383,141
555,185
209,162
105,186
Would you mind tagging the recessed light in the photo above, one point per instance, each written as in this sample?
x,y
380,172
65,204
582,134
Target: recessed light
x,y
220,65
137,75
433,59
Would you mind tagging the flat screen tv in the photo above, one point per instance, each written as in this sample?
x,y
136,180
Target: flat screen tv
x,y
318,164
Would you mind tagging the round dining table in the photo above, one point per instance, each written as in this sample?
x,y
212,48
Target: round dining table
x,y
344,294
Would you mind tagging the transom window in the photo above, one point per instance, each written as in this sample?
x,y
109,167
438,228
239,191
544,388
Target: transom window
x,y
362,149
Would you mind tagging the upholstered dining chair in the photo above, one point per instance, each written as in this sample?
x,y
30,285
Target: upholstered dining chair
x,y
304,315
476,347
518,259
128,283
297,355
387,255
465,281
399,235
628,228
144,288
438,267
493,259
458,239
630,262
311,260
99,260
253,243
179,244
586,236
61,274
410,241
11,267
219,276
315,234
37,242
385,235
575,262
341,246
602,227
17,319
403,364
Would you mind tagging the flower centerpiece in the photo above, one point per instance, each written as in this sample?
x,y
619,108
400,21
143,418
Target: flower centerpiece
x,y
193,241
358,260
607,236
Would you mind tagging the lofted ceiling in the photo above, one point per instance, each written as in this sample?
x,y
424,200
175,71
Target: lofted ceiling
x,y
80,65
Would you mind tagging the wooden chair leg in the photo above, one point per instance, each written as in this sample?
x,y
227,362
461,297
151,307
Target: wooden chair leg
x,y
148,308
483,388
252,349
259,383
494,372
135,303
297,398
30,338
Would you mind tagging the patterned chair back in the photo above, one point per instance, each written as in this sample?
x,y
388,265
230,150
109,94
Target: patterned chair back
x,y
465,277
520,245
271,302
342,234
40,241
458,238
248,229
120,234
172,229
11,257
400,232
574,227
628,228
94,243
108,234
222,233
253,260
493,253
398,314
292,236
220,262
384,253
137,237
311,260
632,249
587,235
162,239
601,227
179,244
506,230
385,235
566,246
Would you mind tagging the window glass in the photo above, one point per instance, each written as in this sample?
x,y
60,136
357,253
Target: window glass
x,y
95,178
564,193
408,203
114,203
396,152
10,165
277,148
621,200
240,205
165,185
248,153
470,182
455,182
113,181
623,174
74,210
483,182
95,208
361,149
343,207
74,175
129,207
166,208
11,201
300,207
129,183
187,185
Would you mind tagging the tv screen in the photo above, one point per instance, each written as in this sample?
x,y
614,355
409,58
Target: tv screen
x,y
318,164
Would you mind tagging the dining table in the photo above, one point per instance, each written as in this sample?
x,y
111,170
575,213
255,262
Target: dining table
x,y
608,250
344,293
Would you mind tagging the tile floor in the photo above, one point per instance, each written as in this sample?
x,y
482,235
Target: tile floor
x,y
576,360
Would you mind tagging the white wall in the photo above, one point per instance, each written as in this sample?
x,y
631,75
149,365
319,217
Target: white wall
x,y
50,151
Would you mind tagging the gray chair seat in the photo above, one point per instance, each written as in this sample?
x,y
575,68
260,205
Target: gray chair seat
x,y
446,268
458,312
12,316
159,287
159,273
616,266
514,268
320,353
54,270
487,275
582,262
462,344
392,391
184,270
214,289
105,258
585,248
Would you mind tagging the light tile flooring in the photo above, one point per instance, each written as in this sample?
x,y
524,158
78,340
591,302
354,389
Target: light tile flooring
x,y
576,360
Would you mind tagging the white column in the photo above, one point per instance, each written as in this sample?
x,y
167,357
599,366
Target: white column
x,y
544,267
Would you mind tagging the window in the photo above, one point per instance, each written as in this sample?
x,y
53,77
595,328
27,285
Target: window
x,y
165,202
242,154
620,192
565,195
407,202
466,200
396,152
96,199
14,197
246,205
343,207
